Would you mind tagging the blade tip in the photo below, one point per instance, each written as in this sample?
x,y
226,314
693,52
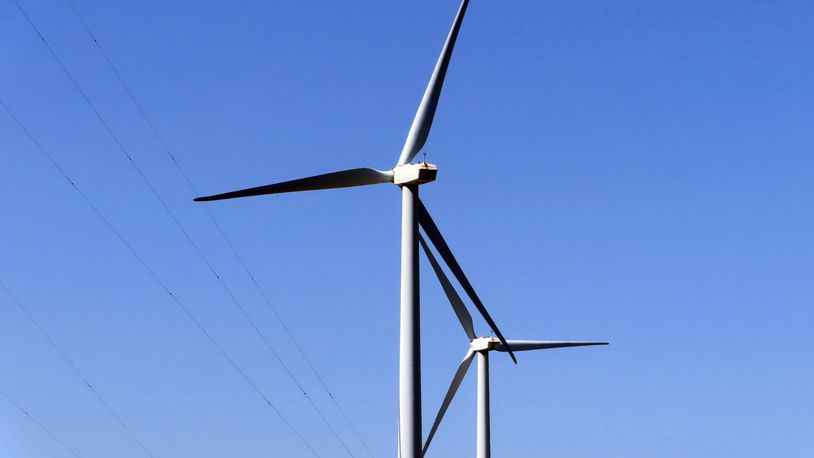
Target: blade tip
x,y
509,351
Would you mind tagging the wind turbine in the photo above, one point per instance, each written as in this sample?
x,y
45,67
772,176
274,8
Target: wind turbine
x,y
480,346
409,177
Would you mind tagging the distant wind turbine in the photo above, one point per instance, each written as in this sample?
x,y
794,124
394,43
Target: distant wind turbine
x,y
409,177
480,346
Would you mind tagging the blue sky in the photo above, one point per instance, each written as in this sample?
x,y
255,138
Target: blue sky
x,y
637,172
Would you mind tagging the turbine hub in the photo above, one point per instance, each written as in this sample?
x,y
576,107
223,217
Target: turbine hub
x,y
484,344
414,173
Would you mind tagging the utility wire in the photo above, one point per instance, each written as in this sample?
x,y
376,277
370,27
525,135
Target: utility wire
x,y
38,423
72,365
214,221
180,227
157,279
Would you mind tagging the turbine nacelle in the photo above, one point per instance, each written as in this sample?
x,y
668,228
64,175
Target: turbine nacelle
x,y
420,173
484,344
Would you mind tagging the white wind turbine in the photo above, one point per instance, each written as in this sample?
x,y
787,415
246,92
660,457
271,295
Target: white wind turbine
x,y
409,177
480,346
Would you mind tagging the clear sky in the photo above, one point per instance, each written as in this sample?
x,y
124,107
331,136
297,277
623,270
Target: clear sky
x,y
638,172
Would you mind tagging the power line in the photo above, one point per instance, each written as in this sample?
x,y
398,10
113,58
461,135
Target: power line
x,y
214,221
157,279
178,224
73,366
38,423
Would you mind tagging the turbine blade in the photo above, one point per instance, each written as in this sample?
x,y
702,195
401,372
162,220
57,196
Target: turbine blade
x,y
453,388
422,122
457,303
440,244
343,179
523,345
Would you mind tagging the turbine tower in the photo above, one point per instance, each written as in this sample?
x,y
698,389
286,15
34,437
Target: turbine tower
x,y
480,346
409,177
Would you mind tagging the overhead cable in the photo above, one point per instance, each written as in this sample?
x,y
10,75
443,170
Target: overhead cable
x,y
39,424
64,355
215,222
176,300
181,228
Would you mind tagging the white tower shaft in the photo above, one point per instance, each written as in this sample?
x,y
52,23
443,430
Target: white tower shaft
x,y
409,345
484,446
